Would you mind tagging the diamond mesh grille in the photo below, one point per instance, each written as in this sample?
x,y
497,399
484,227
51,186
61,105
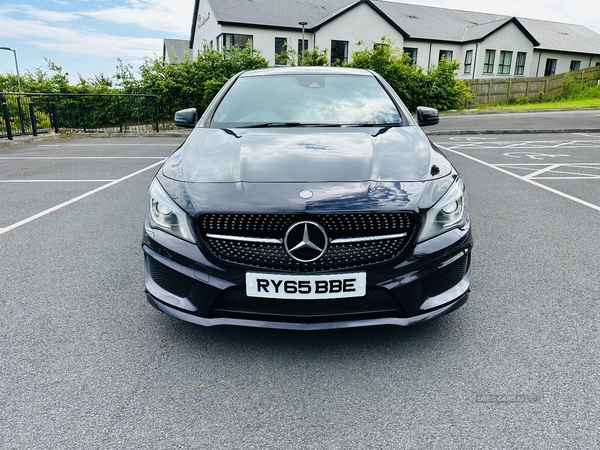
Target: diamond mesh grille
x,y
274,226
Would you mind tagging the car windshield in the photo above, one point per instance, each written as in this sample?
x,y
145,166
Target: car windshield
x,y
306,100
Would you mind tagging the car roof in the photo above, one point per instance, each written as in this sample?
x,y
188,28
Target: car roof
x,y
306,70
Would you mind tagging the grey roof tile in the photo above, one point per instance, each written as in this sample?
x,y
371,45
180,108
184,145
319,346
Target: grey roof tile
x,y
419,22
478,32
563,36
432,23
176,48
277,13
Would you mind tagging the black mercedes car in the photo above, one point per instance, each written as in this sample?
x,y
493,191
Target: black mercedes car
x,y
307,198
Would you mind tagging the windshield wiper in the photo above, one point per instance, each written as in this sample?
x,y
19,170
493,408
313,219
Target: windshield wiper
x,y
231,132
291,124
274,124
372,125
300,124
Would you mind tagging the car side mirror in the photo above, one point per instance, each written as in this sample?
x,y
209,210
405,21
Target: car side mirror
x,y
186,118
427,116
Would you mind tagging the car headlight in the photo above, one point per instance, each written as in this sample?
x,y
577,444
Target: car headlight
x,y
165,215
449,212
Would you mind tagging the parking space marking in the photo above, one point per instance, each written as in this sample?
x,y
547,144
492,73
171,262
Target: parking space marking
x,y
55,181
532,155
524,145
106,145
554,171
76,199
541,171
588,135
77,157
522,178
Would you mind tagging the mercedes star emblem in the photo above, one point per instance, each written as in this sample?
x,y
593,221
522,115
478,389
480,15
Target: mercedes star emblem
x,y
305,241
305,194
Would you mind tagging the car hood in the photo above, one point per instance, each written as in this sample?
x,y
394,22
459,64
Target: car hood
x,y
348,171
299,155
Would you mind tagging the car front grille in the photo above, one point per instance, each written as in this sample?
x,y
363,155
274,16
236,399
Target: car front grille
x,y
235,303
385,234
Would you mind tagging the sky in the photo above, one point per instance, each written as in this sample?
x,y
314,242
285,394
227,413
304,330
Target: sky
x,y
87,37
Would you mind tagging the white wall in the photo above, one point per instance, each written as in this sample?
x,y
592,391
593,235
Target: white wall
x,y
563,62
208,31
359,24
461,59
428,53
264,39
422,51
507,38
433,57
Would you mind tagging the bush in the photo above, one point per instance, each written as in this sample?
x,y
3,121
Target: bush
x,y
577,89
190,83
437,87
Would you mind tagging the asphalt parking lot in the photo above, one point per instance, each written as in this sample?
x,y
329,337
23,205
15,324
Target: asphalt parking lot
x,y
87,363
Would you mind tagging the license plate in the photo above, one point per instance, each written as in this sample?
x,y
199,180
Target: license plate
x,y
268,285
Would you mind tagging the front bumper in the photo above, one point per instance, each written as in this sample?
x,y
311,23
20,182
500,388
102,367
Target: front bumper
x,y
402,321
433,281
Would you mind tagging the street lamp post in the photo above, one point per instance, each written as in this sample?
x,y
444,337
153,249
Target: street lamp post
x,y
302,46
19,85
16,64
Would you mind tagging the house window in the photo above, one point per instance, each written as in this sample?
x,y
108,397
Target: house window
x,y
575,65
504,62
520,63
235,40
339,52
468,61
300,46
550,67
412,53
447,54
488,61
281,57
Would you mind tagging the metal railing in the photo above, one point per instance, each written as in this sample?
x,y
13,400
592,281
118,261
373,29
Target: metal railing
x,y
33,113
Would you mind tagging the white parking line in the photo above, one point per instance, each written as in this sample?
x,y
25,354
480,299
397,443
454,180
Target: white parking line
x,y
552,173
55,181
522,178
523,145
541,171
582,177
78,157
588,135
106,145
76,199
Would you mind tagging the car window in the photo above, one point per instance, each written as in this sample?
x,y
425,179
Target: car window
x,y
304,100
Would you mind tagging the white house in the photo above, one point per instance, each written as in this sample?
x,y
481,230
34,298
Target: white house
x,y
486,45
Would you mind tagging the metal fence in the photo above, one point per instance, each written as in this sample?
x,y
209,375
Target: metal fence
x,y
502,90
33,113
